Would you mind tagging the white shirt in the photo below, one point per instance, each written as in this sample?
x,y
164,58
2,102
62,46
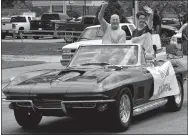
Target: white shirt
x,y
114,36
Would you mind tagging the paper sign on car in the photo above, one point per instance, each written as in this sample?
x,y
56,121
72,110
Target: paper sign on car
x,y
165,82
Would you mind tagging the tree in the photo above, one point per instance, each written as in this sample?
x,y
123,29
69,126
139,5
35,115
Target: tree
x,y
113,8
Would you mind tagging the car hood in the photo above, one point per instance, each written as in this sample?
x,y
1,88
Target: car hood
x,y
86,42
68,80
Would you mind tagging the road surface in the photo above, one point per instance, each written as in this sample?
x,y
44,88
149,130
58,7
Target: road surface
x,y
157,121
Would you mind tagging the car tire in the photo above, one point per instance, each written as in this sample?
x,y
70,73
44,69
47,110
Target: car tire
x,y
175,102
121,121
27,118
35,37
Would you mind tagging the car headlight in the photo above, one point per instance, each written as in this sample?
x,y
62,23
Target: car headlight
x,y
66,51
173,40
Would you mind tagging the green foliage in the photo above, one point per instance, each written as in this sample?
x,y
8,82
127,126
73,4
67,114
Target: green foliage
x,y
113,8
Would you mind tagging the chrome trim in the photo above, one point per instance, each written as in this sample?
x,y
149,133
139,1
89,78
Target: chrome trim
x,y
90,101
23,105
149,106
30,101
84,107
62,103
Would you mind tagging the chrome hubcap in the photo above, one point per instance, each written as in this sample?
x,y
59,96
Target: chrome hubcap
x,y
178,97
125,108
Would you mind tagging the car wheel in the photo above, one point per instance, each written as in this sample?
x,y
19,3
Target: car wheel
x,y
175,102
27,118
121,111
36,37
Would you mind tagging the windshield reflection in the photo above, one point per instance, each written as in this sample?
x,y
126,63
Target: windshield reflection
x,y
106,55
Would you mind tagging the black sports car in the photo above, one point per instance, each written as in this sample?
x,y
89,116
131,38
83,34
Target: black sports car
x,y
109,80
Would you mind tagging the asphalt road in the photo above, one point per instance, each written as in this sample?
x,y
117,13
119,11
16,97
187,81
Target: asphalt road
x,y
158,121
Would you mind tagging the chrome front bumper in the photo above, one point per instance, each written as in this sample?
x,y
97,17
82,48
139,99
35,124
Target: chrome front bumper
x,y
63,107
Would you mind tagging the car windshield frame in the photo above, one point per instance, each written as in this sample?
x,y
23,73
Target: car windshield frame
x,y
117,46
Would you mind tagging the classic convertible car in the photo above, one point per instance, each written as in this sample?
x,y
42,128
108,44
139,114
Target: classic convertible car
x,y
110,81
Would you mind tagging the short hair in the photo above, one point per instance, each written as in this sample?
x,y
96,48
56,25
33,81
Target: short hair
x,y
139,14
155,11
114,15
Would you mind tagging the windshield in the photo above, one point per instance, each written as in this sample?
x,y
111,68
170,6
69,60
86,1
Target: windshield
x,y
18,19
121,55
50,17
92,34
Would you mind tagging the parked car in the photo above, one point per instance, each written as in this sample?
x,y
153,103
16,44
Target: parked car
x,y
168,31
93,84
5,27
20,23
47,22
78,26
93,35
171,22
176,43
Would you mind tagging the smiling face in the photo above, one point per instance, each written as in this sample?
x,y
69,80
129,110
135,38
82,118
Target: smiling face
x,y
114,21
142,20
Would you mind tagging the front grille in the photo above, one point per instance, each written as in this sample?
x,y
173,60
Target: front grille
x,y
80,105
47,103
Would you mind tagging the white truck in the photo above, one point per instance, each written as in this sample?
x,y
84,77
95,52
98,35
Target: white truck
x,y
93,35
6,25
17,25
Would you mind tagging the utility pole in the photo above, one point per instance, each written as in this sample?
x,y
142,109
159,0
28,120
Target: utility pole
x,y
50,6
135,11
64,6
85,7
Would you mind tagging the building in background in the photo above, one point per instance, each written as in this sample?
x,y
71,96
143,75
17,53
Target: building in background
x,y
85,7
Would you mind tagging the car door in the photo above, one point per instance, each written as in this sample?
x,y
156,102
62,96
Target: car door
x,y
150,83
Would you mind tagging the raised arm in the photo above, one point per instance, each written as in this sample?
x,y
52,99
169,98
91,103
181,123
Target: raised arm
x,y
150,19
101,19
